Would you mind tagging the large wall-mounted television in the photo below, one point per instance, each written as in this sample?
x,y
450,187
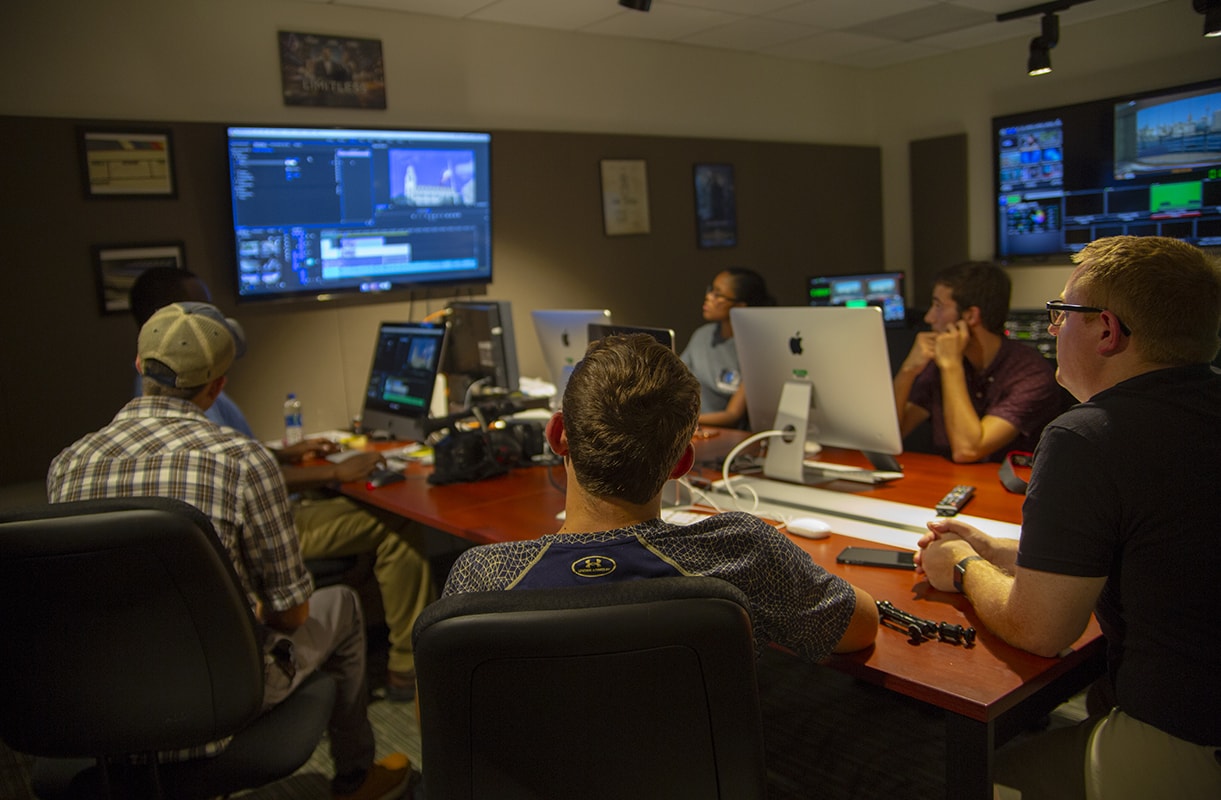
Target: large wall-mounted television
x,y
1146,164
319,212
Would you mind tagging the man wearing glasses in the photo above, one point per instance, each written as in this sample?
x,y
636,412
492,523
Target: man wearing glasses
x,y
1121,520
983,393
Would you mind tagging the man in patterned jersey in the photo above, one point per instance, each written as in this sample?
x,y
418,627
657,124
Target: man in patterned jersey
x,y
161,444
630,410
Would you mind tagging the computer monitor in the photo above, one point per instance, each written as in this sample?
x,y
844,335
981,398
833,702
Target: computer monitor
x,y
406,360
838,356
563,335
480,351
664,336
881,289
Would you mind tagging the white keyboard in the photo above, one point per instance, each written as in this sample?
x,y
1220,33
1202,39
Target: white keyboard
x,y
676,516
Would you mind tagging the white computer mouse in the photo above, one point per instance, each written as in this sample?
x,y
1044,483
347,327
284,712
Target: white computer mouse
x,y
808,528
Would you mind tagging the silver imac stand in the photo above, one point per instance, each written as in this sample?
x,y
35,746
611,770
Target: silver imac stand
x,y
786,453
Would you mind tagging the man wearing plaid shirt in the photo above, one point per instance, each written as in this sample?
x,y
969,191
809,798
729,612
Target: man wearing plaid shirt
x,y
161,444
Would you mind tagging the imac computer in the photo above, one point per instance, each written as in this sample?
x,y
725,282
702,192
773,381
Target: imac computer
x,y
821,374
480,352
881,289
563,335
406,361
664,336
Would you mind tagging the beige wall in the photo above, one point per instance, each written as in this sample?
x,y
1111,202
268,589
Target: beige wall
x,y
215,61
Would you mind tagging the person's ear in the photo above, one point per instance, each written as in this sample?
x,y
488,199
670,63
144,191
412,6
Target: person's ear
x,y
1111,339
971,316
685,462
557,438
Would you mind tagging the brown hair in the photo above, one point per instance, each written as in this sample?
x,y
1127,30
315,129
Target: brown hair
x,y
630,409
982,284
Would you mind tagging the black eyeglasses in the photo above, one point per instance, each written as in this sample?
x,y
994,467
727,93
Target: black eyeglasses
x,y
1056,309
711,291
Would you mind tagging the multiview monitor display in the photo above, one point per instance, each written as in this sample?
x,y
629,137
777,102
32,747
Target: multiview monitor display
x,y
324,211
883,290
1146,164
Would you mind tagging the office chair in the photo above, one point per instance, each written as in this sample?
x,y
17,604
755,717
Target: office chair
x,y
641,689
126,632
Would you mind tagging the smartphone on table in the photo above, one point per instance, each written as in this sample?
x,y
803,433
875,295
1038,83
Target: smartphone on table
x,y
877,557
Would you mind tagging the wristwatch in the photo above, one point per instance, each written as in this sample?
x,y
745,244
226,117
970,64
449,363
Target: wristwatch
x,y
960,570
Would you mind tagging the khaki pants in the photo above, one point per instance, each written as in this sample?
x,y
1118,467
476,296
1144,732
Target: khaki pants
x,y
337,526
1109,757
333,640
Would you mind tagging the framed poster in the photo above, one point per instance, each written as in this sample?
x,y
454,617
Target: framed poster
x,y
118,163
625,197
716,209
321,70
118,266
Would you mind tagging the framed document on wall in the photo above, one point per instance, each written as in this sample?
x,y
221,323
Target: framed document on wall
x,y
127,163
625,196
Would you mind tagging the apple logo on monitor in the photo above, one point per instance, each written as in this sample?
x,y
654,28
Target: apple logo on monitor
x,y
795,344
564,338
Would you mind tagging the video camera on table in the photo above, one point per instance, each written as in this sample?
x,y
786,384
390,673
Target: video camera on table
x,y
493,447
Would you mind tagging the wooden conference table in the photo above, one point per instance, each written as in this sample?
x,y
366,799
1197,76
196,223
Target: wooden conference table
x,y
990,691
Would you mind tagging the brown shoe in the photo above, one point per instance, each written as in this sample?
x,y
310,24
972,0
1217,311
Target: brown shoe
x,y
385,780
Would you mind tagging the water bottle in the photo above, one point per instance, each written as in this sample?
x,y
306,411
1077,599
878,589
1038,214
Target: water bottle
x,y
293,432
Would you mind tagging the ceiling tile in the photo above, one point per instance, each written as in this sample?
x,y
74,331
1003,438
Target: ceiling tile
x,y
569,15
914,25
752,34
859,33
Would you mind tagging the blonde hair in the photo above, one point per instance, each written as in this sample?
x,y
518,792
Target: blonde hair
x,y
1166,291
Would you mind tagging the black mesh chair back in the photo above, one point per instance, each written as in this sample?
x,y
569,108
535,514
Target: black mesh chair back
x,y
641,689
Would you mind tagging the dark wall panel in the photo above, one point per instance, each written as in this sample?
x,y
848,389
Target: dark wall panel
x,y
802,209
939,210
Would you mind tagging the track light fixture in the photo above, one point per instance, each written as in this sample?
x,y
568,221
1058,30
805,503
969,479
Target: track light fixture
x,y
1211,9
636,5
1039,62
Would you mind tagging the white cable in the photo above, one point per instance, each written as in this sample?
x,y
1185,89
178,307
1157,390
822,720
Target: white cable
x,y
729,462
698,494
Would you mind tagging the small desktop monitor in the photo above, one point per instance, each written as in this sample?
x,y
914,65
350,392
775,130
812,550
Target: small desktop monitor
x,y
881,289
839,354
480,351
664,336
406,360
563,334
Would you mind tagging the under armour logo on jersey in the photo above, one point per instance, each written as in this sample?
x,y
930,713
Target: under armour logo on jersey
x,y
594,566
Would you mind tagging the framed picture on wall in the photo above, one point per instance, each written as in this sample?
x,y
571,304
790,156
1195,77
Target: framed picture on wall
x,y
127,163
625,196
118,266
321,70
716,208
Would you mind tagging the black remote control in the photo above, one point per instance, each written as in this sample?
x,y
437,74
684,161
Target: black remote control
x,y
954,502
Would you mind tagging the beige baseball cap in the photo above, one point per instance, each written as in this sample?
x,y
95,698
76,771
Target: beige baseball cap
x,y
189,344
